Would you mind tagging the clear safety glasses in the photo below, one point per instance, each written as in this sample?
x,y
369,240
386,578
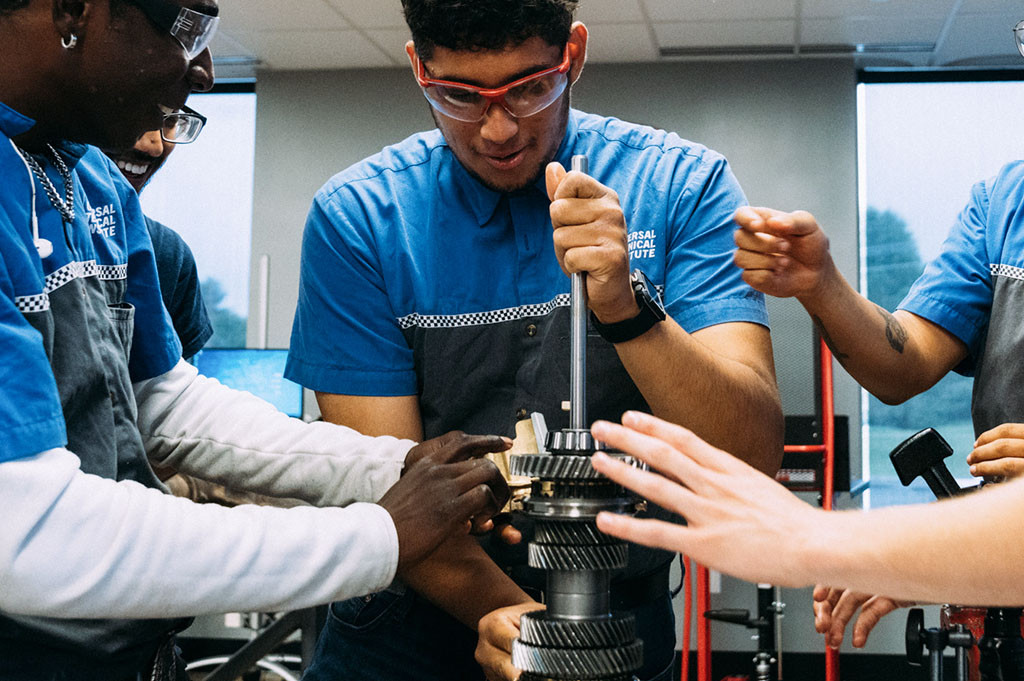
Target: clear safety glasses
x,y
182,127
521,98
194,30
1018,37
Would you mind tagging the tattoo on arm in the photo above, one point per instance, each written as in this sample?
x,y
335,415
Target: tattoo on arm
x,y
894,331
828,339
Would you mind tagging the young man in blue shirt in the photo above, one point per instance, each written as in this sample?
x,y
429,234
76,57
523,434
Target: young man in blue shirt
x,y
434,294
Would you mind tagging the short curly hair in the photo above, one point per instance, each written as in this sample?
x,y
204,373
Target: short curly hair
x,y
486,24
8,6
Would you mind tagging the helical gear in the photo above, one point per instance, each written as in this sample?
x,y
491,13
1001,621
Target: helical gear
x,y
580,664
546,557
571,533
540,629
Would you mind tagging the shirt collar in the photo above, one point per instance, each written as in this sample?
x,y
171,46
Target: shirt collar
x,y
13,123
484,201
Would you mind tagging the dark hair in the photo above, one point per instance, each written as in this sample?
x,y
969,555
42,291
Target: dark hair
x,y
11,5
7,6
486,24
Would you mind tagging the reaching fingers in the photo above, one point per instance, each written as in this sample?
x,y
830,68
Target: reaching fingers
x,y
659,454
825,599
1014,431
842,612
871,612
775,222
760,243
656,533
685,443
482,490
652,486
1009,467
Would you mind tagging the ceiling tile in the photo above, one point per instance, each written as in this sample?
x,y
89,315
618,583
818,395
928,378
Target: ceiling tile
x,y
818,9
873,30
725,33
609,11
611,43
718,10
287,50
264,15
371,13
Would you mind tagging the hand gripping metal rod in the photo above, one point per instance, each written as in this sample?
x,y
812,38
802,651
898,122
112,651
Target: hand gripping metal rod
x,y
578,337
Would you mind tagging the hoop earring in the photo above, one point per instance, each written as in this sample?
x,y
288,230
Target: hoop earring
x,y
69,42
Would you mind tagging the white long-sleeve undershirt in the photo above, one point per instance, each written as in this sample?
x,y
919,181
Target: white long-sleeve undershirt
x,y
77,545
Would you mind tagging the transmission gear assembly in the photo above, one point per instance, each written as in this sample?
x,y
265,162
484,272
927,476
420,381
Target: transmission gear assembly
x,y
578,637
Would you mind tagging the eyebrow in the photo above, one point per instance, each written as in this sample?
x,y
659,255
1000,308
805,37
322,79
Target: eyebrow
x,y
528,71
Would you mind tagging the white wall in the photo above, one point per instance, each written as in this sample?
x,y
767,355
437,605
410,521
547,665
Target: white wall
x,y
788,128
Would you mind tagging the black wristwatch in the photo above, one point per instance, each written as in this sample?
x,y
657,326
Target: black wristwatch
x,y
652,311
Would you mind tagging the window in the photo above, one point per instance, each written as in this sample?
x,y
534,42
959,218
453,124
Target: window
x,y
204,192
923,145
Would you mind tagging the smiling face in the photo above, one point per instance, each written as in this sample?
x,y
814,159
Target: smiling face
x,y
129,73
139,163
503,152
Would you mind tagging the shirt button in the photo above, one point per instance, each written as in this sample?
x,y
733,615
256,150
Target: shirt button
x,y
521,414
531,330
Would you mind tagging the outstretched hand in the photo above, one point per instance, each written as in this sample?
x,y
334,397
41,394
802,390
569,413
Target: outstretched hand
x,y
733,511
445,488
834,608
781,254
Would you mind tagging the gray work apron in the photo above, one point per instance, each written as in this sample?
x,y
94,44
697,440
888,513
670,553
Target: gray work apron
x,y
87,334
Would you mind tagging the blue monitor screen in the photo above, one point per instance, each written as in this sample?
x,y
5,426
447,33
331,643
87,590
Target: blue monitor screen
x,y
260,372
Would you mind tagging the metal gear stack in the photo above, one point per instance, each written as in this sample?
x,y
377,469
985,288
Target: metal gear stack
x,y
578,637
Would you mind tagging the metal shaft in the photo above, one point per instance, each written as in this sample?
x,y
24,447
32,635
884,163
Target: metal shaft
x,y
578,337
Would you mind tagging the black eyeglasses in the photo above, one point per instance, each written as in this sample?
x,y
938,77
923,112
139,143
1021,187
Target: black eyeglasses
x,y
182,127
193,30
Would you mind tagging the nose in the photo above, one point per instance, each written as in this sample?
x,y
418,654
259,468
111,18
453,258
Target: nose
x,y
200,72
499,126
150,144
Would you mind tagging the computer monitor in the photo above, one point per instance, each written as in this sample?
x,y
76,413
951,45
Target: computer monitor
x,y
260,372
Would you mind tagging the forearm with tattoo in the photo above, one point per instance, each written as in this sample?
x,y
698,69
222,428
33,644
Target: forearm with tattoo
x,y
894,331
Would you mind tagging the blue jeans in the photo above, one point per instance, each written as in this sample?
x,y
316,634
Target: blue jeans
x,y
396,635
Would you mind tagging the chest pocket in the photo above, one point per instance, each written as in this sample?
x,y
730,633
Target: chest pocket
x,y
122,319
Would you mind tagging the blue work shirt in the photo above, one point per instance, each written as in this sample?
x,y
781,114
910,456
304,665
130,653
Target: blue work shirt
x,y
419,280
974,290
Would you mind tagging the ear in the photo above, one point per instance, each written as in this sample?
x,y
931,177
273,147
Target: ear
x,y
578,37
71,16
410,50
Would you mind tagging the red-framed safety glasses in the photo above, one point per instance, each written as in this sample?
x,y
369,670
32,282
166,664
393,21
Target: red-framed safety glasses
x,y
521,98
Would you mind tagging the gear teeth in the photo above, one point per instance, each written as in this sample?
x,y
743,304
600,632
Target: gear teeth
x,y
558,467
547,557
572,533
577,664
538,629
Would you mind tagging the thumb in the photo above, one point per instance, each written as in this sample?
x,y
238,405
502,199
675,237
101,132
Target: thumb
x,y
553,176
